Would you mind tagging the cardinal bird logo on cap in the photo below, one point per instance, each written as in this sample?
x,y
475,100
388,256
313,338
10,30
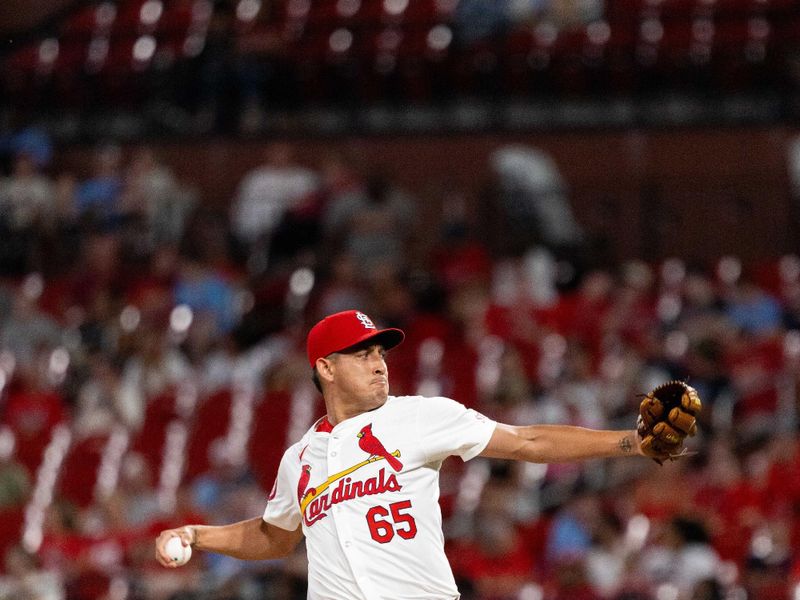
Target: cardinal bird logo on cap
x,y
372,446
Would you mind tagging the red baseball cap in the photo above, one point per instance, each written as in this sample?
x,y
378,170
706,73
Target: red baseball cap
x,y
344,330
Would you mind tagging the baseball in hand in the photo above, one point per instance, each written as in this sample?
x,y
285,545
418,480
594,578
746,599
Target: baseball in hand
x,y
177,552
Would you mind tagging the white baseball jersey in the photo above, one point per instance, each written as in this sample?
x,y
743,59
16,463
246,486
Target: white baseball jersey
x,y
367,491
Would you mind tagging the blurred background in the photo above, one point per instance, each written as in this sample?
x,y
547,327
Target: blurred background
x,y
562,202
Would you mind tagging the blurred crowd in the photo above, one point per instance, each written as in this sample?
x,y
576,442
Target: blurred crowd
x,y
152,371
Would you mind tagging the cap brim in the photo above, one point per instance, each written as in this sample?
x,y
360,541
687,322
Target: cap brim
x,y
388,338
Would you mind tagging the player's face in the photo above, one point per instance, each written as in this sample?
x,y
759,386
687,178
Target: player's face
x,y
362,375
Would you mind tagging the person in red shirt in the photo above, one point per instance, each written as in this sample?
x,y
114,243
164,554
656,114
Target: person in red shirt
x,y
34,407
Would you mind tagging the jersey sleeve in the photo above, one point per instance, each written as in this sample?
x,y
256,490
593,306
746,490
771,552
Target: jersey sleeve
x,y
447,428
282,508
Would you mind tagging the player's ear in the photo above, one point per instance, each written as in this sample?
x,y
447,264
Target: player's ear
x,y
325,369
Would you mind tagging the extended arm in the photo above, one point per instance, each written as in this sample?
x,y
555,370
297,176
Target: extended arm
x,y
254,539
559,443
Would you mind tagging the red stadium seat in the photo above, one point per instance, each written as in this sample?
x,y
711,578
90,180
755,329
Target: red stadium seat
x,y
527,60
685,9
11,522
182,15
372,13
32,415
426,12
211,422
71,57
132,53
24,60
624,11
149,441
325,60
80,469
268,438
92,20
137,17
128,19
324,13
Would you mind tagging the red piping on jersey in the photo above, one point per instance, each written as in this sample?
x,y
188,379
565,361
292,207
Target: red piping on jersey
x,y
324,426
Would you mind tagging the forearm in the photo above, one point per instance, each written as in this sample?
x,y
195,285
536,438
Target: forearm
x,y
247,540
559,443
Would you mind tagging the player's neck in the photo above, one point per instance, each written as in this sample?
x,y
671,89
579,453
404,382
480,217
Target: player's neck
x,y
339,409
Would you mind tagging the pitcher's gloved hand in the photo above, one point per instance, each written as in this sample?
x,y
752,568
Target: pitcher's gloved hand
x,y
667,416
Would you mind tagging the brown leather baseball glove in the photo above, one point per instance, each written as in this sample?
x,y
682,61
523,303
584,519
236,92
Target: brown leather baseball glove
x,y
667,416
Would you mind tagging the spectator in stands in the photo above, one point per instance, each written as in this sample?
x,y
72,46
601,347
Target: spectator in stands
x,y
35,405
498,564
65,197
26,196
151,291
343,286
762,579
706,327
509,390
150,191
373,226
754,366
227,491
571,530
15,481
213,356
683,557
528,204
708,589
578,390
459,255
28,328
91,552
99,407
608,557
156,367
340,176
494,558
99,195
572,14
225,477
729,501
266,193
35,142
26,205
299,233
207,238
60,236
700,302
206,291
752,309
97,276
135,502
25,578
475,20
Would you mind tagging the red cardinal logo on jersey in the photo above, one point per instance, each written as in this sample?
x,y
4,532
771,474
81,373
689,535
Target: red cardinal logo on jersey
x,y
305,475
372,446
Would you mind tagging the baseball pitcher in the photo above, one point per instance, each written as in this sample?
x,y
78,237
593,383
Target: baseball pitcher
x,y
362,485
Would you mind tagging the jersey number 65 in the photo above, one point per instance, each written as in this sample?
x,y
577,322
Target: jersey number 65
x,y
383,530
